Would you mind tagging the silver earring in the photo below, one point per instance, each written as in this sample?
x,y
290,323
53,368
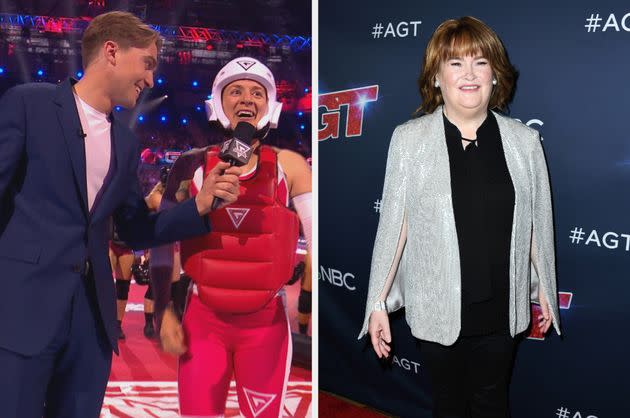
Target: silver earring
x,y
437,84
494,81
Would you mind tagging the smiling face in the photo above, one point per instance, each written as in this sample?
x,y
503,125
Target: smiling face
x,y
466,84
244,101
132,72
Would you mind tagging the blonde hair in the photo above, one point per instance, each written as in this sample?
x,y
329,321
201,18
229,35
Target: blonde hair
x,y
121,27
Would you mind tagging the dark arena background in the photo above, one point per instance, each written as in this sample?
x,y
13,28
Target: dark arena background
x,y
40,41
574,63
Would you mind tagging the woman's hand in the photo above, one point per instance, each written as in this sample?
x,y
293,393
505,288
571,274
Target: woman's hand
x,y
172,334
379,332
222,182
544,319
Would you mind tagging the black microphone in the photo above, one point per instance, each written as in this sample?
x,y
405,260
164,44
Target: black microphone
x,y
237,150
80,133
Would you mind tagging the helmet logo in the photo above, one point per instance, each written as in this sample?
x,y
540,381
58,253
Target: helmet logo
x,y
245,64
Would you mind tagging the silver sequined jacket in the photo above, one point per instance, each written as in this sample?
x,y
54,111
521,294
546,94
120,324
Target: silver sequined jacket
x,y
427,279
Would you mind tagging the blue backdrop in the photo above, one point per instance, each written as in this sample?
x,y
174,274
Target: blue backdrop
x,y
574,64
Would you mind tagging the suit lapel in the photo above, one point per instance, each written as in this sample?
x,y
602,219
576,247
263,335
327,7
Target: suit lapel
x,y
68,117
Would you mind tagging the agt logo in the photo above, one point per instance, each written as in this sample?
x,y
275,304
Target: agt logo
x,y
564,302
612,24
406,364
337,278
401,29
531,122
535,124
563,412
354,102
609,239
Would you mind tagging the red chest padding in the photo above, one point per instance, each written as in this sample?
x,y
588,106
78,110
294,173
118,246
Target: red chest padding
x,y
250,253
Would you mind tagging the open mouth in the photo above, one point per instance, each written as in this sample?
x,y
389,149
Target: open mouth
x,y
245,114
469,88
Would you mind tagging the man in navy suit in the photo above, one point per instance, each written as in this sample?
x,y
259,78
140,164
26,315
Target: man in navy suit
x,y
67,167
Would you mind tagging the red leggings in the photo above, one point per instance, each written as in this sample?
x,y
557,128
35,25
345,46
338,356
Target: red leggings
x,y
255,347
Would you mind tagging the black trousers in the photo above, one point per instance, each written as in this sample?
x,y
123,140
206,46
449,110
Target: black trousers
x,y
470,378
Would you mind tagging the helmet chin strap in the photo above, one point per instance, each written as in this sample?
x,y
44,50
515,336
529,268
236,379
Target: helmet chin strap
x,y
261,134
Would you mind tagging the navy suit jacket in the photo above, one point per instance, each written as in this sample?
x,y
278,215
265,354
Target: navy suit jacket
x,y
46,231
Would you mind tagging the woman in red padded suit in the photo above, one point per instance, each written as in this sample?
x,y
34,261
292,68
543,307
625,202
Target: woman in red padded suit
x,y
236,321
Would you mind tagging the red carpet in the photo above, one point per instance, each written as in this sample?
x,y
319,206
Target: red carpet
x,y
333,406
143,378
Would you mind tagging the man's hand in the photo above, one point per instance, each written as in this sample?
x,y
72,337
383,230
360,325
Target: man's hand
x,y
172,334
224,186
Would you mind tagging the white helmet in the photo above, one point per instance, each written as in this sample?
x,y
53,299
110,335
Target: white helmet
x,y
244,68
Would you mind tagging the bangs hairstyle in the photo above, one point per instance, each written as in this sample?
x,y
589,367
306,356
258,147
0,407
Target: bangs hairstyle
x,y
458,38
121,27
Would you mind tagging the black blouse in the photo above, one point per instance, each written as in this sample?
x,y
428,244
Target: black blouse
x,y
483,204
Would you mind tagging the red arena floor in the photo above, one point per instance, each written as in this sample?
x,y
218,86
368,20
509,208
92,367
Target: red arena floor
x,y
143,378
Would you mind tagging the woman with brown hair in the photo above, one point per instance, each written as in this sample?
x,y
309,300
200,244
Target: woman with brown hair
x,y
466,229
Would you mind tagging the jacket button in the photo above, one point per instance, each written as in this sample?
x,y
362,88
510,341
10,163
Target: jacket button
x,y
76,268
